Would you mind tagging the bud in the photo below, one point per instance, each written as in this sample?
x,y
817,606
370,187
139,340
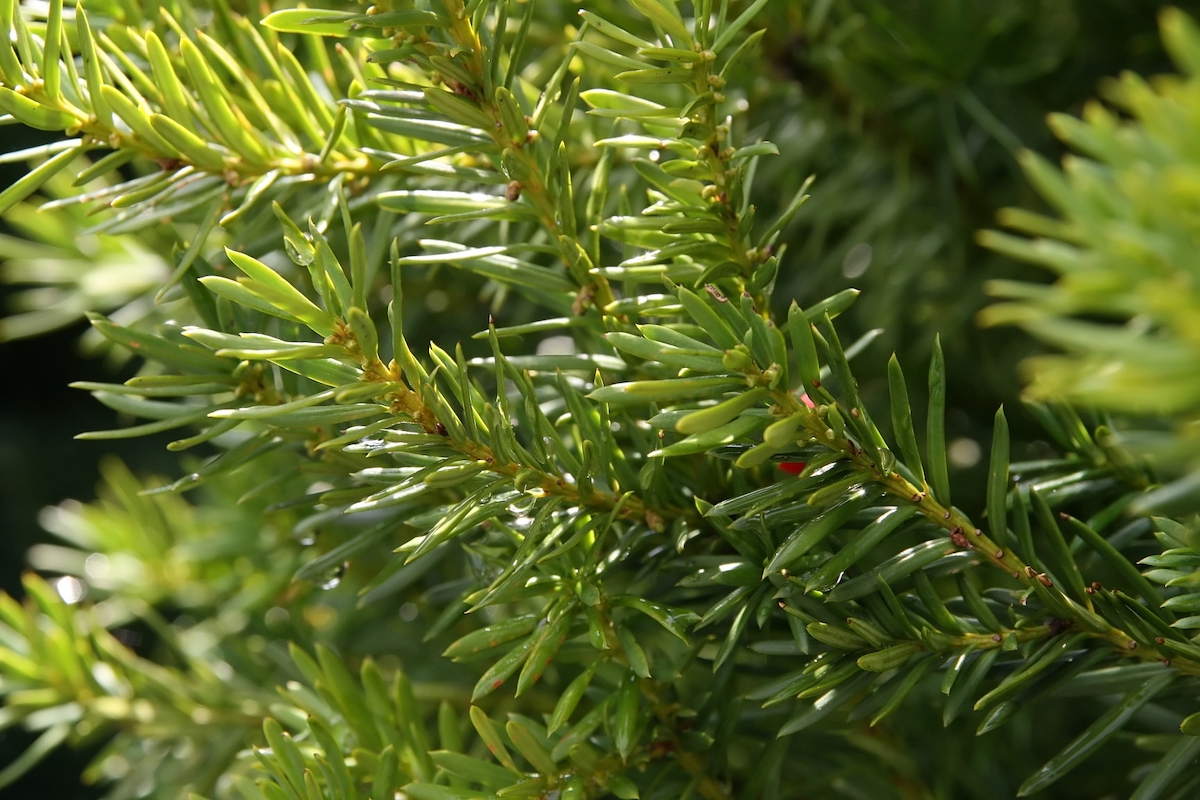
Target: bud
x,y
738,359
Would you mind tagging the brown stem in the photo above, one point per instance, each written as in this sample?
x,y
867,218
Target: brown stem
x,y
715,155
403,400
965,533
533,187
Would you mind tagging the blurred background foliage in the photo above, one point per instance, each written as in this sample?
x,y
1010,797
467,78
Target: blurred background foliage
x,y
909,112
41,464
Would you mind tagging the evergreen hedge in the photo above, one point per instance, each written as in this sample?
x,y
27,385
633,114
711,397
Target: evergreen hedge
x,y
533,443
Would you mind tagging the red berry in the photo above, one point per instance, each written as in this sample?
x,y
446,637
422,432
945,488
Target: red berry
x,y
792,467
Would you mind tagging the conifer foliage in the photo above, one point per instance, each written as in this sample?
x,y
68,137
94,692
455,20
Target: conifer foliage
x,y
551,553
